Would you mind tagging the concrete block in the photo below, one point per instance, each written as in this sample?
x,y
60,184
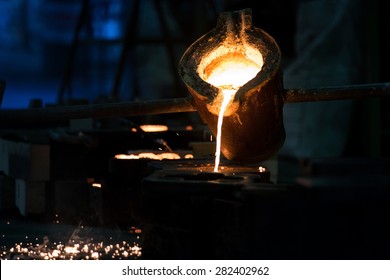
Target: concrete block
x,y
30,196
25,160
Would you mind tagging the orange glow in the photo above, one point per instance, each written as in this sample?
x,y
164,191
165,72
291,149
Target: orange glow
x,y
154,128
97,185
149,156
231,71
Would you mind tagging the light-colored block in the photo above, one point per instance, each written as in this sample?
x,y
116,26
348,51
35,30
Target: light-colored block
x,y
30,196
203,149
25,160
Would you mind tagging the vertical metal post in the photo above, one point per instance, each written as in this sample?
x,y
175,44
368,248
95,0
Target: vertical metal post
x,y
128,41
66,79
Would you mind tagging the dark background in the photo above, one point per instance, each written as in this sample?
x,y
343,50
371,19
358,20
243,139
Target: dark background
x,y
333,209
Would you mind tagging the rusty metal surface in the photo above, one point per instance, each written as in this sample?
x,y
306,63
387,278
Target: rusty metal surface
x,y
9,118
175,105
337,93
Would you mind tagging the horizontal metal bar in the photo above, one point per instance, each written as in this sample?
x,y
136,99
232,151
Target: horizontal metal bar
x,y
9,118
337,93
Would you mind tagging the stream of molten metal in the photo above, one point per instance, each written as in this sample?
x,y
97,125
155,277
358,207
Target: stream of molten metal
x,y
229,76
227,97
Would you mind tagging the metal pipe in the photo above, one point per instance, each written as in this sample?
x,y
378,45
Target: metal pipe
x,y
337,93
15,117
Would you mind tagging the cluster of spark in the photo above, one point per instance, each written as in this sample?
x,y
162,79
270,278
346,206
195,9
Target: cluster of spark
x,y
76,251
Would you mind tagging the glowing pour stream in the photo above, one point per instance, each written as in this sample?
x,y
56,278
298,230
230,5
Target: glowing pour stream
x,y
227,97
229,75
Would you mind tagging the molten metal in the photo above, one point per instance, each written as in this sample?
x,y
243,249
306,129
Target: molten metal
x,y
252,128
